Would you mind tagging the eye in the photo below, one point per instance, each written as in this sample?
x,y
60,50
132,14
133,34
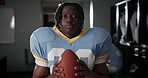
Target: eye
x,y
64,16
74,16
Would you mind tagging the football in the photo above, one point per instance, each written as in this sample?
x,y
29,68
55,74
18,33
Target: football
x,y
68,61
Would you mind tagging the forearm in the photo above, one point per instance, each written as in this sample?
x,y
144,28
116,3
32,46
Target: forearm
x,y
102,76
94,75
37,75
40,72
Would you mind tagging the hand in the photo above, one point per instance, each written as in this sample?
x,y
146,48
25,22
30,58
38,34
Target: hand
x,y
55,71
85,72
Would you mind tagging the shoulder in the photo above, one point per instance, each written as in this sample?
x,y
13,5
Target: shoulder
x,y
43,34
99,32
42,30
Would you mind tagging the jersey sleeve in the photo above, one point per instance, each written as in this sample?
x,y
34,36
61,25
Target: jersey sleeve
x,y
37,52
115,59
105,48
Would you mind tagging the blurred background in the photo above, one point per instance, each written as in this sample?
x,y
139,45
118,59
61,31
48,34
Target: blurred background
x,y
19,18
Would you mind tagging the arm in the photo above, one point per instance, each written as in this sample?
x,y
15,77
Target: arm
x,y
99,71
40,72
43,72
41,69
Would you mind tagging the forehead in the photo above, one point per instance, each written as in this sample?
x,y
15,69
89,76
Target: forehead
x,y
69,9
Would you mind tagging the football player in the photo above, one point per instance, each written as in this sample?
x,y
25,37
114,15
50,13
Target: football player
x,y
91,45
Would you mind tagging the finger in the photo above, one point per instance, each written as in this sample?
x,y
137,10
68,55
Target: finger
x,y
80,74
58,69
81,62
80,68
55,68
56,63
58,74
52,76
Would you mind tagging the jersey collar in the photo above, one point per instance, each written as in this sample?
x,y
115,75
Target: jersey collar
x,y
68,39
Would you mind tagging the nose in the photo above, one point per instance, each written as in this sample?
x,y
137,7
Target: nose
x,y
69,19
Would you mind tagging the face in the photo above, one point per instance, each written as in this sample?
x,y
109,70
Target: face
x,y
70,24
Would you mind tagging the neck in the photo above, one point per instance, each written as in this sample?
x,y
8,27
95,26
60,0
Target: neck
x,y
72,35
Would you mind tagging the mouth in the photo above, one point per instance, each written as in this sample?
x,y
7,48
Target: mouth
x,y
69,26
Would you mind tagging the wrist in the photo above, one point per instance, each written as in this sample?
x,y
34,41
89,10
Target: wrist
x,y
94,75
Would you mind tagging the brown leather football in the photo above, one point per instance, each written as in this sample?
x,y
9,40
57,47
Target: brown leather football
x,y
68,61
